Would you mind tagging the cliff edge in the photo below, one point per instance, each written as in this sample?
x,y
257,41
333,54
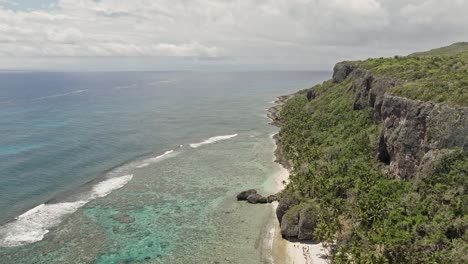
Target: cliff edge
x,y
379,160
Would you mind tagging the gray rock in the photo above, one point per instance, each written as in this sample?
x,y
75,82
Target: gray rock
x,y
413,131
256,198
243,195
307,222
290,223
284,205
300,221
341,71
272,198
311,95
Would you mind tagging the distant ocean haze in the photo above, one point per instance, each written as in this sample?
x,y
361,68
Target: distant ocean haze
x,y
93,142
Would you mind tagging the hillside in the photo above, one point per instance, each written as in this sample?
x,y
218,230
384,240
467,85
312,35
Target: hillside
x,y
456,49
380,164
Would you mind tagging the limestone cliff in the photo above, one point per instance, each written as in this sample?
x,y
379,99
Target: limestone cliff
x,y
415,134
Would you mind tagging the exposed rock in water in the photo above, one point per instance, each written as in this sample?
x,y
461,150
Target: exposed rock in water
x,y
272,198
274,111
243,195
256,198
253,197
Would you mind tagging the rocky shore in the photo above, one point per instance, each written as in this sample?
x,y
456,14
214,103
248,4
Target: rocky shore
x,y
286,246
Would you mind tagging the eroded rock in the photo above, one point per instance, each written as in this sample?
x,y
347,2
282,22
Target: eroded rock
x,y
256,198
243,195
341,71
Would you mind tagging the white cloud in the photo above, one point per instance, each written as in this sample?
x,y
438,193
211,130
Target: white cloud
x,y
260,31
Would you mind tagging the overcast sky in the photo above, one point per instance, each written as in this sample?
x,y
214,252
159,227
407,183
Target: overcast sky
x,y
220,34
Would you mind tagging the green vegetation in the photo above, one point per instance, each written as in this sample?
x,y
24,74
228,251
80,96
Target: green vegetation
x,y
438,79
457,49
368,217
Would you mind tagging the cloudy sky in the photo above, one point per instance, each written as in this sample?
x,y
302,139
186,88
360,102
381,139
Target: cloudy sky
x,y
220,34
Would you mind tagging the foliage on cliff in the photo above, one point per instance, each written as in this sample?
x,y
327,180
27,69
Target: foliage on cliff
x,y
438,79
370,218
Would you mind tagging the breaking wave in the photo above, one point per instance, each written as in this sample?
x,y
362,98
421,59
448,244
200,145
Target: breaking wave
x,y
147,162
59,95
33,225
212,140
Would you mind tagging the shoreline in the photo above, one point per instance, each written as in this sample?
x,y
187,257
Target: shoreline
x,y
282,250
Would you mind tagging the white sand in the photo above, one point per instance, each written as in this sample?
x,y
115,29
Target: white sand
x,y
284,251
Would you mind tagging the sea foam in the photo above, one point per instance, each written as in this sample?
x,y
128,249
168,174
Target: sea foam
x,y
147,162
33,225
60,95
212,140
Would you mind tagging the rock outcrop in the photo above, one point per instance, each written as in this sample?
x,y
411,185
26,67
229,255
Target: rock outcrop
x,y
341,71
256,198
414,132
299,222
253,197
284,205
242,196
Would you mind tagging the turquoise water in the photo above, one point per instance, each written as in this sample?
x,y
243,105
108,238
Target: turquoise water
x,y
115,159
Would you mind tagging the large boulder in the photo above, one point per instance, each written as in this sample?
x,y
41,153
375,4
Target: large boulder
x,y
285,203
307,222
256,198
290,223
341,71
243,195
300,221
272,198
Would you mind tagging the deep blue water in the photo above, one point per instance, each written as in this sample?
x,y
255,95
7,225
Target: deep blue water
x,y
62,130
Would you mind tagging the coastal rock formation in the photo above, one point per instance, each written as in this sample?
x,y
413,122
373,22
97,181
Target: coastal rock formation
x,y
253,197
290,223
379,152
273,112
299,222
307,222
272,198
245,194
413,130
417,134
369,90
256,198
341,71
284,205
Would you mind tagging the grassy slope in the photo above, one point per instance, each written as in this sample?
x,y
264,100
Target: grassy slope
x,y
456,49
439,76
377,220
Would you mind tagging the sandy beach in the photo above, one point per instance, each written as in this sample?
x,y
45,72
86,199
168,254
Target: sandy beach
x,y
284,251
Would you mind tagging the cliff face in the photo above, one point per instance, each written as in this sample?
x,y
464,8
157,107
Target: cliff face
x,y
380,161
415,134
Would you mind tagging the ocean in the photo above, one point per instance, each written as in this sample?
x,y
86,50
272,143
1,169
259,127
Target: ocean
x,y
123,167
